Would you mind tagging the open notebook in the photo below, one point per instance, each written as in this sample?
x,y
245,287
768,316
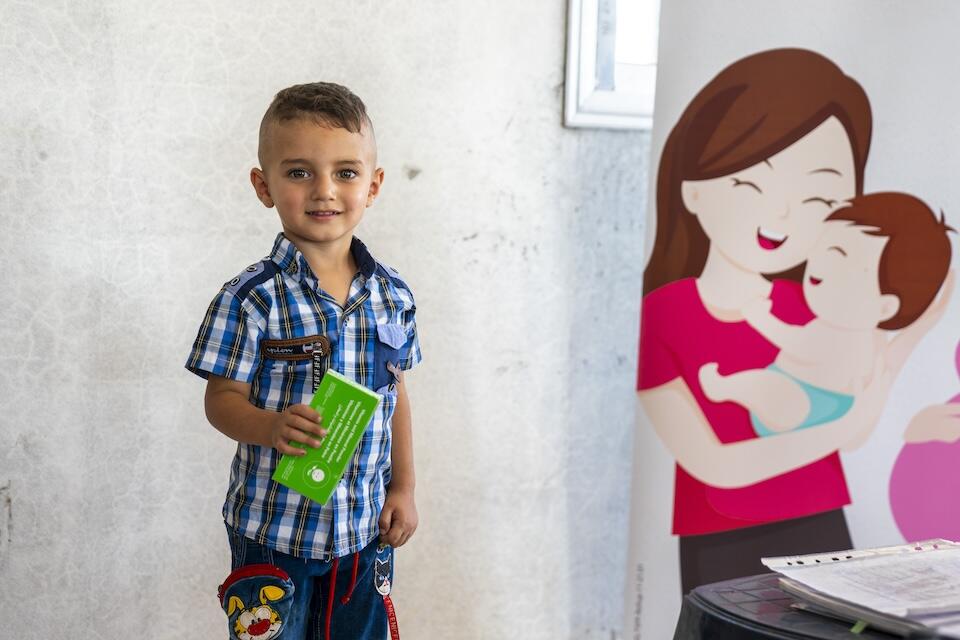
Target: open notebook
x,y
911,589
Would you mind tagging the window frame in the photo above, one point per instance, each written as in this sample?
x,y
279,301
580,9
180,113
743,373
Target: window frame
x,y
586,103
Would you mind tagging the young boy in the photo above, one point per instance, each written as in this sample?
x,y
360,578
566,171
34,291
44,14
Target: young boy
x,y
318,301
878,265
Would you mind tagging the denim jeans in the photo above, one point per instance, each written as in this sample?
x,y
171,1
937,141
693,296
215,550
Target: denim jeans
x,y
362,617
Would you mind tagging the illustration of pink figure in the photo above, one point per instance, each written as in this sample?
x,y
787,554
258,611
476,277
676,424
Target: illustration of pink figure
x,y
924,484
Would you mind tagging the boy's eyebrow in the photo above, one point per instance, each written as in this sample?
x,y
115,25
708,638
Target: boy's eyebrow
x,y
838,249
825,170
305,161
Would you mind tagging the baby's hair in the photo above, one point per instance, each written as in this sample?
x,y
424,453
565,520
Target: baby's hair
x,y
326,103
916,257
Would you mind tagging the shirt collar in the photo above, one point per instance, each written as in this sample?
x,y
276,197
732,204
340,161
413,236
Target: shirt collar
x,y
286,256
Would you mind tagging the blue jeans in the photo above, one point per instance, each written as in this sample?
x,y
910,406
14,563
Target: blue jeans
x,y
363,617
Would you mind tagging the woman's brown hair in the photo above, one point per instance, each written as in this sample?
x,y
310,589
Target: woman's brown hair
x,y
753,109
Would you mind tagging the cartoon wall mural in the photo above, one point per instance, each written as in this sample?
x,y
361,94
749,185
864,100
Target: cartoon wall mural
x,y
779,304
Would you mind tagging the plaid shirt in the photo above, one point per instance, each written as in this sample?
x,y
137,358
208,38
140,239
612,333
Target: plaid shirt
x,y
261,329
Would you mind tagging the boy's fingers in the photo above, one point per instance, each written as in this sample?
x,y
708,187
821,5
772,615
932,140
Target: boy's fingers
x,y
305,411
309,427
296,435
384,522
290,450
392,538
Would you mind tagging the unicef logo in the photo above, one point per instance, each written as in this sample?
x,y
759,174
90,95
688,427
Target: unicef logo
x,y
315,473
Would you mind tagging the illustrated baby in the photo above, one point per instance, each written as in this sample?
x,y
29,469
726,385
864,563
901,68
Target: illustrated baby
x,y
878,265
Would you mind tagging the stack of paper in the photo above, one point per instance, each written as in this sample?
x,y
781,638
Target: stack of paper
x,y
911,589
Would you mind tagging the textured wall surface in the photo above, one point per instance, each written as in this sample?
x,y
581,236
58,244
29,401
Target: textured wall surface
x,y
128,131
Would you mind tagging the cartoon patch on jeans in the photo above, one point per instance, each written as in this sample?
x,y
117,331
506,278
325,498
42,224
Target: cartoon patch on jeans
x,y
383,569
257,600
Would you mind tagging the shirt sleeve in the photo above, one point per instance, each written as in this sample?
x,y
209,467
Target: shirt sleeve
x,y
412,355
657,361
228,342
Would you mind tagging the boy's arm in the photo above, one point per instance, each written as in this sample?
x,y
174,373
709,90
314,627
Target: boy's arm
x,y
399,519
229,410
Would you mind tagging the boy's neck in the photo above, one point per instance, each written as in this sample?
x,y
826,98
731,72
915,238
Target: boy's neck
x,y
333,264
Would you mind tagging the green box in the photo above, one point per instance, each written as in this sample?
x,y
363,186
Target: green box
x,y
347,409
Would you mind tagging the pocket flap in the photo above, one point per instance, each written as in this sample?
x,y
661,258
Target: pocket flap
x,y
392,334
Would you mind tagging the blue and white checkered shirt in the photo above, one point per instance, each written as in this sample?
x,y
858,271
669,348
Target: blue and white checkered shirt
x,y
262,329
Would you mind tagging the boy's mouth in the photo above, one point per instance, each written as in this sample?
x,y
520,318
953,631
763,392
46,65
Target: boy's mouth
x,y
815,281
323,214
769,240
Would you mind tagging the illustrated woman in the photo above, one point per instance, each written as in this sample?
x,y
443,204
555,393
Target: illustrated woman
x,y
755,164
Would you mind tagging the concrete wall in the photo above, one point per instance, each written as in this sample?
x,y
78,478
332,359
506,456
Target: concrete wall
x,y
128,130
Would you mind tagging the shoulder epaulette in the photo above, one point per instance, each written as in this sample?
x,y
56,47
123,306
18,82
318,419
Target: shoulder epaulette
x,y
250,277
391,274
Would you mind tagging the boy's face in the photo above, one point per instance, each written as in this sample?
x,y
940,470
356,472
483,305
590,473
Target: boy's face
x,y
842,284
320,178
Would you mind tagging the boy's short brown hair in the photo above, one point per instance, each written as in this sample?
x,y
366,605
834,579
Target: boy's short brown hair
x,y
327,103
916,256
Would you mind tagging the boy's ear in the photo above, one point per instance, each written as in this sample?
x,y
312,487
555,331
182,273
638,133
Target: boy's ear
x,y
375,184
889,306
259,183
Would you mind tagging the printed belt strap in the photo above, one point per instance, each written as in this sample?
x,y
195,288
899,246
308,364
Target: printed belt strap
x,y
321,349
382,574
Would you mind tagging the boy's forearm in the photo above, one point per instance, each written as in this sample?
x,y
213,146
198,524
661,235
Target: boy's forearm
x,y
401,454
232,414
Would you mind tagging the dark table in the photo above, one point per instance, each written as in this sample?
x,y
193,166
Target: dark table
x,y
755,607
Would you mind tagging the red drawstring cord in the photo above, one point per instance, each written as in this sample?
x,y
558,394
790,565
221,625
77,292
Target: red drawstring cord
x,y
353,579
333,584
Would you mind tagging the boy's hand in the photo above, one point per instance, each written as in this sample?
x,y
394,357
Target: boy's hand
x,y
398,520
297,423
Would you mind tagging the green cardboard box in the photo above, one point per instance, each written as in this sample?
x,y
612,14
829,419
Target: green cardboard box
x,y
347,408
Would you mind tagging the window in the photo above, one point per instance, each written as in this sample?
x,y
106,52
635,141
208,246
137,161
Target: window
x,y
611,63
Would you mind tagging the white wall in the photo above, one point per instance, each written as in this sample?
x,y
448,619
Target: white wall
x,y
905,57
128,130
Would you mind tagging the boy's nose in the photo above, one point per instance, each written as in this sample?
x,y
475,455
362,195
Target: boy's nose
x,y
323,189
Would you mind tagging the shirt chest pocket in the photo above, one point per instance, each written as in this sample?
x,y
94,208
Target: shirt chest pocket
x,y
294,364
388,352
285,372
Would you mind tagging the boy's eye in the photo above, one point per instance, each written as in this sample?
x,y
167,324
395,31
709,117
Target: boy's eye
x,y
347,174
298,173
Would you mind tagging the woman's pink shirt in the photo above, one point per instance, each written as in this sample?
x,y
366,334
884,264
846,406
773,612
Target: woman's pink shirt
x,y
677,336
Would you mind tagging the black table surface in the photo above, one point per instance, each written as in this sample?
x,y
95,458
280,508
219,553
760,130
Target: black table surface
x,y
755,607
